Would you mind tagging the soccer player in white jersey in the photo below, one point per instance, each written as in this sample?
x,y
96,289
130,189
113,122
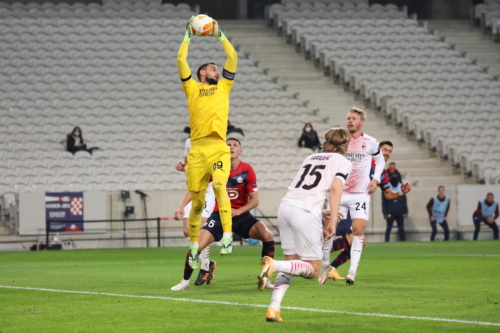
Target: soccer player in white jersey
x,y
208,267
357,189
302,232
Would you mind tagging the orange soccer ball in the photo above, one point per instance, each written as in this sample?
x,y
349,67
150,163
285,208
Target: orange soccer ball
x,y
202,25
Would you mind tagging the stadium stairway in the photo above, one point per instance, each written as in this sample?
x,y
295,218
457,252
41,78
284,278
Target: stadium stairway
x,y
470,39
319,93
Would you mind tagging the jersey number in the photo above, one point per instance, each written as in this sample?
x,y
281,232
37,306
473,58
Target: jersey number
x,y
314,172
362,206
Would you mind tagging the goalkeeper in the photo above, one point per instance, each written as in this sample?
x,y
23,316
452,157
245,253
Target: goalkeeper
x,y
209,156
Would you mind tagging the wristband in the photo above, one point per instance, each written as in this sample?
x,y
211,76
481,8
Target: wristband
x,y
401,194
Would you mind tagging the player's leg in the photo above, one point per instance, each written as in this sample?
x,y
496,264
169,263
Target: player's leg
x,y
358,240
302,246
434,230
205,238
494,226
261,232
214,227
400,221
220,164
390,222
446,230
328,245
197,182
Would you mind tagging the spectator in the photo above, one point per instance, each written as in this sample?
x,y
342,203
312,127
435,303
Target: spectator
x,y
395,210
75,141
487,212
438,208
392,170
309,138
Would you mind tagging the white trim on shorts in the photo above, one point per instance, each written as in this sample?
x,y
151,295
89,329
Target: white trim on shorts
x,y
301,232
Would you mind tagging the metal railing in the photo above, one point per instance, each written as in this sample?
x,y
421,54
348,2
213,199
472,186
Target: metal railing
x,y
124,229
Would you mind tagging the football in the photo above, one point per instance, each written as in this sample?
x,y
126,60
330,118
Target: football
x,y
202,25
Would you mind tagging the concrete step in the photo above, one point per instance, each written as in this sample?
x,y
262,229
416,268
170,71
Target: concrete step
x,y
300,76
5,231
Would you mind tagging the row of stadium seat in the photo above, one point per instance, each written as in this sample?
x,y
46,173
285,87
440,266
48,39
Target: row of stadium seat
x,y
488,15
129,102
109,13
440,104
94,5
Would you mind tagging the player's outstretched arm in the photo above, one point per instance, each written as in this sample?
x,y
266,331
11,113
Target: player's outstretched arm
x,y
182,64
232,56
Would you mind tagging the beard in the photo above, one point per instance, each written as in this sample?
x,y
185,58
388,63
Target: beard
x,y
212,81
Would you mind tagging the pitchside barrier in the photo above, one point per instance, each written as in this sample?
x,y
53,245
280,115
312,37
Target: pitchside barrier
x,y
48,229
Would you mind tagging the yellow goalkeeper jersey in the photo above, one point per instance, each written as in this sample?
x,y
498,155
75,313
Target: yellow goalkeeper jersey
x,y
208,104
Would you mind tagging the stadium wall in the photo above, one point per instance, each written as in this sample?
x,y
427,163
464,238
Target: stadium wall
x,y
103,205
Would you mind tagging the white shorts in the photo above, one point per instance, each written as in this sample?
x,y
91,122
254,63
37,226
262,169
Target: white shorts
x,y
209,206
301,232
357,203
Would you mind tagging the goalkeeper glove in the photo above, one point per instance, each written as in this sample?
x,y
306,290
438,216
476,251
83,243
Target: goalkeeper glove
x,y
217,32
189,30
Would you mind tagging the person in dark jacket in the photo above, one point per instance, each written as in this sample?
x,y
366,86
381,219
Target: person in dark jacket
x,y
75,141
487,212
395,210
438,208
309,138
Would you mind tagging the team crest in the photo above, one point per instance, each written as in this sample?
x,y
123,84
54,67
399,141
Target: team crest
x,y
239,179
363,146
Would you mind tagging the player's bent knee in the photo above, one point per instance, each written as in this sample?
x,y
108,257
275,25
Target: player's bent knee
x,y
268,236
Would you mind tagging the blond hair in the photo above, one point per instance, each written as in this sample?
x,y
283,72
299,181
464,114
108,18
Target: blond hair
x,y
337,140
358,111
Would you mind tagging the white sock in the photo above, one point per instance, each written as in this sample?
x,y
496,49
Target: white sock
x,y
356,250
227,234
327,249
295,268
185,281
281,285
205,258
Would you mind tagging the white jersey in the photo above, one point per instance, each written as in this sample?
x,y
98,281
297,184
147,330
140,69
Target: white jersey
x,y
187,146
311,185
360,152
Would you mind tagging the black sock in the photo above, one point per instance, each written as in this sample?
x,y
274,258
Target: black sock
x,y
268,249
188,271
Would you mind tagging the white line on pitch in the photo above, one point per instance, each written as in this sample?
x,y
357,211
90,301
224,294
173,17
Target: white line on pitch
x,y
259,306
461,255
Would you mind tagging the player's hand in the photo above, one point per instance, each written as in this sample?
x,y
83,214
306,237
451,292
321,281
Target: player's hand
x,y
328,231
386,216
216,31
236,212
179,214
189,31
340,216
434,219
326,213
372,187
405,216
405,188
180,166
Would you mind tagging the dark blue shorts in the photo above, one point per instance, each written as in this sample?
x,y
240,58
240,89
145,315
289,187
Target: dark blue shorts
x,y
344,226
241,225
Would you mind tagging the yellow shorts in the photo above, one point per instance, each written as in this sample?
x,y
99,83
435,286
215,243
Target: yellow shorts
x,y
207,157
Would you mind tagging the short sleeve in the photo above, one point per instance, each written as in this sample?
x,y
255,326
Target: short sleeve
x,y
375,150
344,170
251,180
186,147
227,82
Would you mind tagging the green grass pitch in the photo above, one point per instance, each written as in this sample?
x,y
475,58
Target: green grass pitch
x,y
448,280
